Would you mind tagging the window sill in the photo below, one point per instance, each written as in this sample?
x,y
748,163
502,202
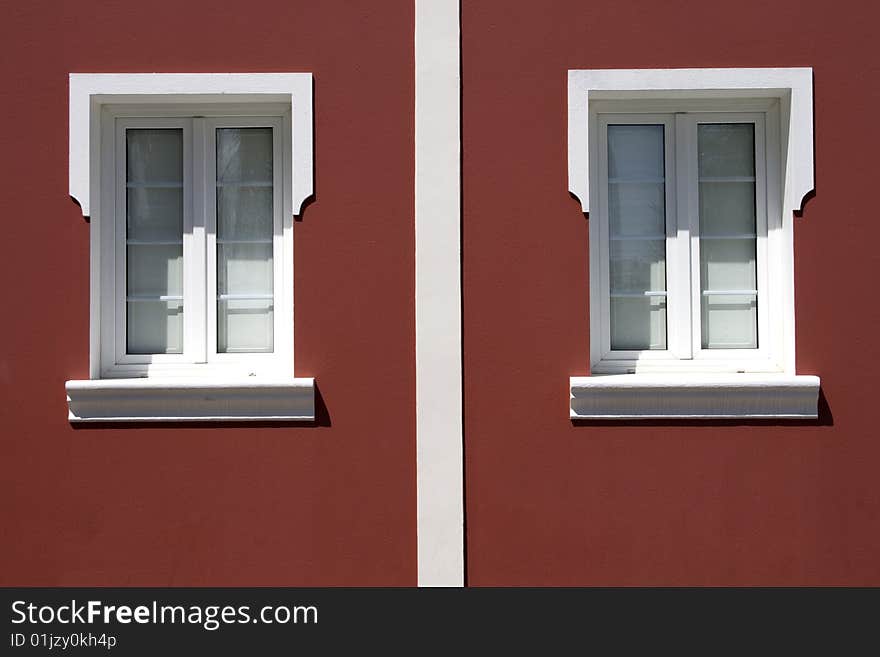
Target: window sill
x,y
697,396
190,400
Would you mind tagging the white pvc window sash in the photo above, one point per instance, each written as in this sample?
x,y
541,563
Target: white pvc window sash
x,y
682,205
637,233
244,234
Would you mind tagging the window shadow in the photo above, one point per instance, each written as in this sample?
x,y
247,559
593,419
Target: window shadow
x,y
809,197
577,199
86,218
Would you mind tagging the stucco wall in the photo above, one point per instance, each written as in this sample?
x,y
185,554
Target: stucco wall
x,y
553,503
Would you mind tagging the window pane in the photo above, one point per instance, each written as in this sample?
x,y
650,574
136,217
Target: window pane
x,y
637,209
155,155
638,323
244,155
244,269
154,240
155,213
155,327
727,264
730,321
244,325
728,242
244,213
727,149
245,266
727,208
155,269
638,266
635,152
637,230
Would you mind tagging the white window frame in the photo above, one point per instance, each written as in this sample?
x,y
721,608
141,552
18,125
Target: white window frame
x,y
686,381
199,384
199,357
684,349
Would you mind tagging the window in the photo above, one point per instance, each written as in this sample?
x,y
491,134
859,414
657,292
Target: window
x,y
685,204
196,243
191,182
689,177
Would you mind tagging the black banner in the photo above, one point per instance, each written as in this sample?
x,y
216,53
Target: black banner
x,y
146,621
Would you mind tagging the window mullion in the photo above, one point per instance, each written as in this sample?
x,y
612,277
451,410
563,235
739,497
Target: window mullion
x,y
194,248
693,204
686,237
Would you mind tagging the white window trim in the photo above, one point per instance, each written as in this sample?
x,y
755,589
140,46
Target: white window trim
x,y
199,358
89,91
792,86
684,353
701,388
224,394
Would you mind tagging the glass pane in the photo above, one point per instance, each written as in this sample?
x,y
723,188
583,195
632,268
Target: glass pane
x,y
155,327
635,152
155,269
244,269
726,149
244,213
155,213
638,266
727,264
728,229
727,208
244,155
154,155
637,227
638,323
637,209
154,237
245,325
245,229
730,322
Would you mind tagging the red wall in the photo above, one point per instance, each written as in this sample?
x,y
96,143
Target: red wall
x,y
553,503
215,505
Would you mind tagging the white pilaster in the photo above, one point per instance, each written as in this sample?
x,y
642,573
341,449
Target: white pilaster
x,y
439,428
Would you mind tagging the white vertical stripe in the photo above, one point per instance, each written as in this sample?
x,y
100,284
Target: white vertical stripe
x,y
438,294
